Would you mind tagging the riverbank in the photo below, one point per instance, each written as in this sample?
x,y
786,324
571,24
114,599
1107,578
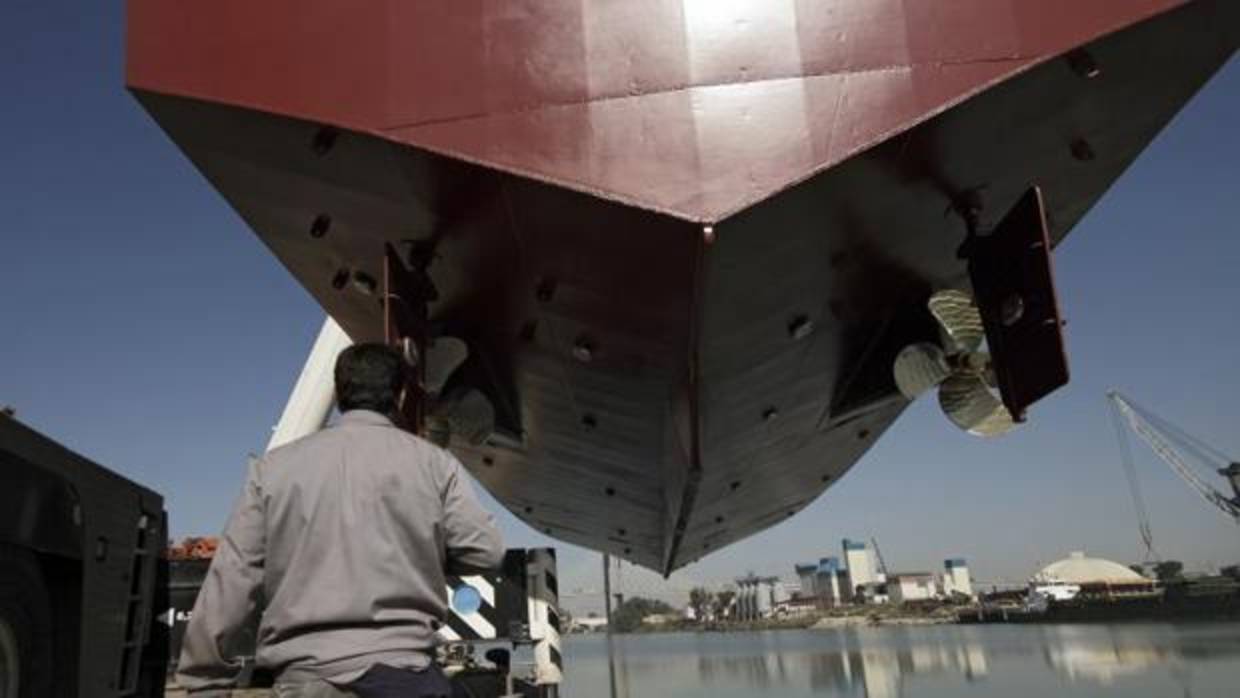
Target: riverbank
x,y
887,614
851,617
832,623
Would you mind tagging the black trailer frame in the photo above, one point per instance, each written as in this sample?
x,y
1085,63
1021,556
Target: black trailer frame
x,y
82,574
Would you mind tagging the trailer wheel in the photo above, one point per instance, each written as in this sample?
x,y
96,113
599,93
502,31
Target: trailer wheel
x,y
25,627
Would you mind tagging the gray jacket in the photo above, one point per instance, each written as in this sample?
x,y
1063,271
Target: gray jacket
x,y
339,545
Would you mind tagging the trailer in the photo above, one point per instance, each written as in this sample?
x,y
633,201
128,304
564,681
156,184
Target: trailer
x,y
81,575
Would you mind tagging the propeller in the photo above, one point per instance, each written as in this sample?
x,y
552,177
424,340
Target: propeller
x,y
443,357
962,372
463,412
466,413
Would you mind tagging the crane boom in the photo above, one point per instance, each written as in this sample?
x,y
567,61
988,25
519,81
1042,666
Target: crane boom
x,y
1134,483
1144,424
882,565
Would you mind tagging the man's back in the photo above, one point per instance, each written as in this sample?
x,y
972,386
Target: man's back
x,y
342,539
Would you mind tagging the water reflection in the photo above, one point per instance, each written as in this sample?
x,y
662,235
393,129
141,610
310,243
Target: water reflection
x,y
879,671
1076,655
1105,654
1013,661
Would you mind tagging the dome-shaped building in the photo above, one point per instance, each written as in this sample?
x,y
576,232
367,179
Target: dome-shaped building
x,y
1079,569
1078,576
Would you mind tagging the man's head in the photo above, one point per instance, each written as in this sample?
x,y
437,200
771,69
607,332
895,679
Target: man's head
x,y
369,377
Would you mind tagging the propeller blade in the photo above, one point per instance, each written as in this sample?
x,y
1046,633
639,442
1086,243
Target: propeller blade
x,y
959,317
467,414
967,401
919,367
443,357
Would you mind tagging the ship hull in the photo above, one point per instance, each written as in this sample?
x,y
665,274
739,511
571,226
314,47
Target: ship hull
x,y
683,298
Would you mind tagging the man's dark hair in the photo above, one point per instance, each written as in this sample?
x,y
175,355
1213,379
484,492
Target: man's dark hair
x,y
369,377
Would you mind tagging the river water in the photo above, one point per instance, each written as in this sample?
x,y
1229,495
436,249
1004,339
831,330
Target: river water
x,y
1007,661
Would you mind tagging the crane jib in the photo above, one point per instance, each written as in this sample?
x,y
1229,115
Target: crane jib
x,y
1174,447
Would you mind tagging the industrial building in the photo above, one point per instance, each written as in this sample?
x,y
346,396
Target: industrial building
x,y
956,578
833,584
861,568
827,582
1078,568
1078,575
863,578
904,587
758,597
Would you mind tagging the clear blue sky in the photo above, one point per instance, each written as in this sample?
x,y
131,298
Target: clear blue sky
x,y
144,325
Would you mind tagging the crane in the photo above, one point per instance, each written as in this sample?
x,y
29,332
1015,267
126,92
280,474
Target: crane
x,y
882,566
1177,449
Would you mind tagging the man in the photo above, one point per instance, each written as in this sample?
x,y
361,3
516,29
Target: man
x,y
341,541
